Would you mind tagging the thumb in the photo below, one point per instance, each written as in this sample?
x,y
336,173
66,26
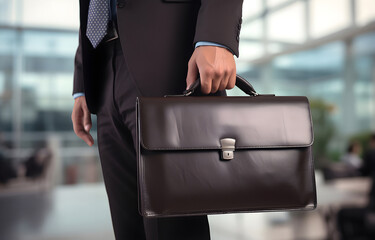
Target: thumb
x,y
192,74
87,119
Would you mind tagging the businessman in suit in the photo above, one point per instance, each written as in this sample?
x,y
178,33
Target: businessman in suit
x,y
132,48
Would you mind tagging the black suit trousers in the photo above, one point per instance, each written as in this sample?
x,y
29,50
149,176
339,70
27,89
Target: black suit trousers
x,y
116,141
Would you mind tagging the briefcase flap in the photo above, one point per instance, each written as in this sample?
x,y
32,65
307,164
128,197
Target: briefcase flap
x,y
200,122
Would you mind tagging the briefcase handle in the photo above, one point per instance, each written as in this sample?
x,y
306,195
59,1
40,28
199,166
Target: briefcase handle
x,y
241,83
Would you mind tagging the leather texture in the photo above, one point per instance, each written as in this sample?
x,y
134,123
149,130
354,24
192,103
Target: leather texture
x,y
180,171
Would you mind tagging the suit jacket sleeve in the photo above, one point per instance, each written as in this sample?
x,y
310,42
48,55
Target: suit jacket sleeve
x,y
78,85
219,21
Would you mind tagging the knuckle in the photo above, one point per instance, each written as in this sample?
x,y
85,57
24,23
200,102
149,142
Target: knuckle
x,y
219,72
226,71
208,71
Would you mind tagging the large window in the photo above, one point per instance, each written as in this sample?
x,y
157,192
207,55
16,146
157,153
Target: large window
x,y
8,45
274,26
364,81
322,49
38,40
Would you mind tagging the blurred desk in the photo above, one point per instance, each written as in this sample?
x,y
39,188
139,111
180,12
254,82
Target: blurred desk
x,y
346,191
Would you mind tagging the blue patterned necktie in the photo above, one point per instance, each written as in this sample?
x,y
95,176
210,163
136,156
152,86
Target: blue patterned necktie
x,y
97,22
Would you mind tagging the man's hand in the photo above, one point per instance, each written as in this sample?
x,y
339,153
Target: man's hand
x,y
216,67
81,119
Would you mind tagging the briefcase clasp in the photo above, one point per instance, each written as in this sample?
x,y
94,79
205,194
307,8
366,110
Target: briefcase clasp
x,y
227,148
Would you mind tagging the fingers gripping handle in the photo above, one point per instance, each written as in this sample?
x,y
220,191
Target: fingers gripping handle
x,y
241,83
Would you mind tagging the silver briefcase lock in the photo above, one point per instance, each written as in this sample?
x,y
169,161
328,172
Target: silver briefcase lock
x,y
227,148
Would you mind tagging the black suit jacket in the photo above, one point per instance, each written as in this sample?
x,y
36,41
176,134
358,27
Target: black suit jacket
x,y
157,38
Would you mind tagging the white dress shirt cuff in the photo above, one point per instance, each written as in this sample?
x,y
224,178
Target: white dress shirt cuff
x,y
79,94
205,43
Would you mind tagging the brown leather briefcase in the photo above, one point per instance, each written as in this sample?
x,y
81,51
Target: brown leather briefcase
x,y
202,155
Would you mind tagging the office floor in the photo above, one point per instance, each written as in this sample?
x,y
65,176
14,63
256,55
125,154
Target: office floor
x,y
81,212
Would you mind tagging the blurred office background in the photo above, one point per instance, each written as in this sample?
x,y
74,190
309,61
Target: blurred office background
x,y
324,49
